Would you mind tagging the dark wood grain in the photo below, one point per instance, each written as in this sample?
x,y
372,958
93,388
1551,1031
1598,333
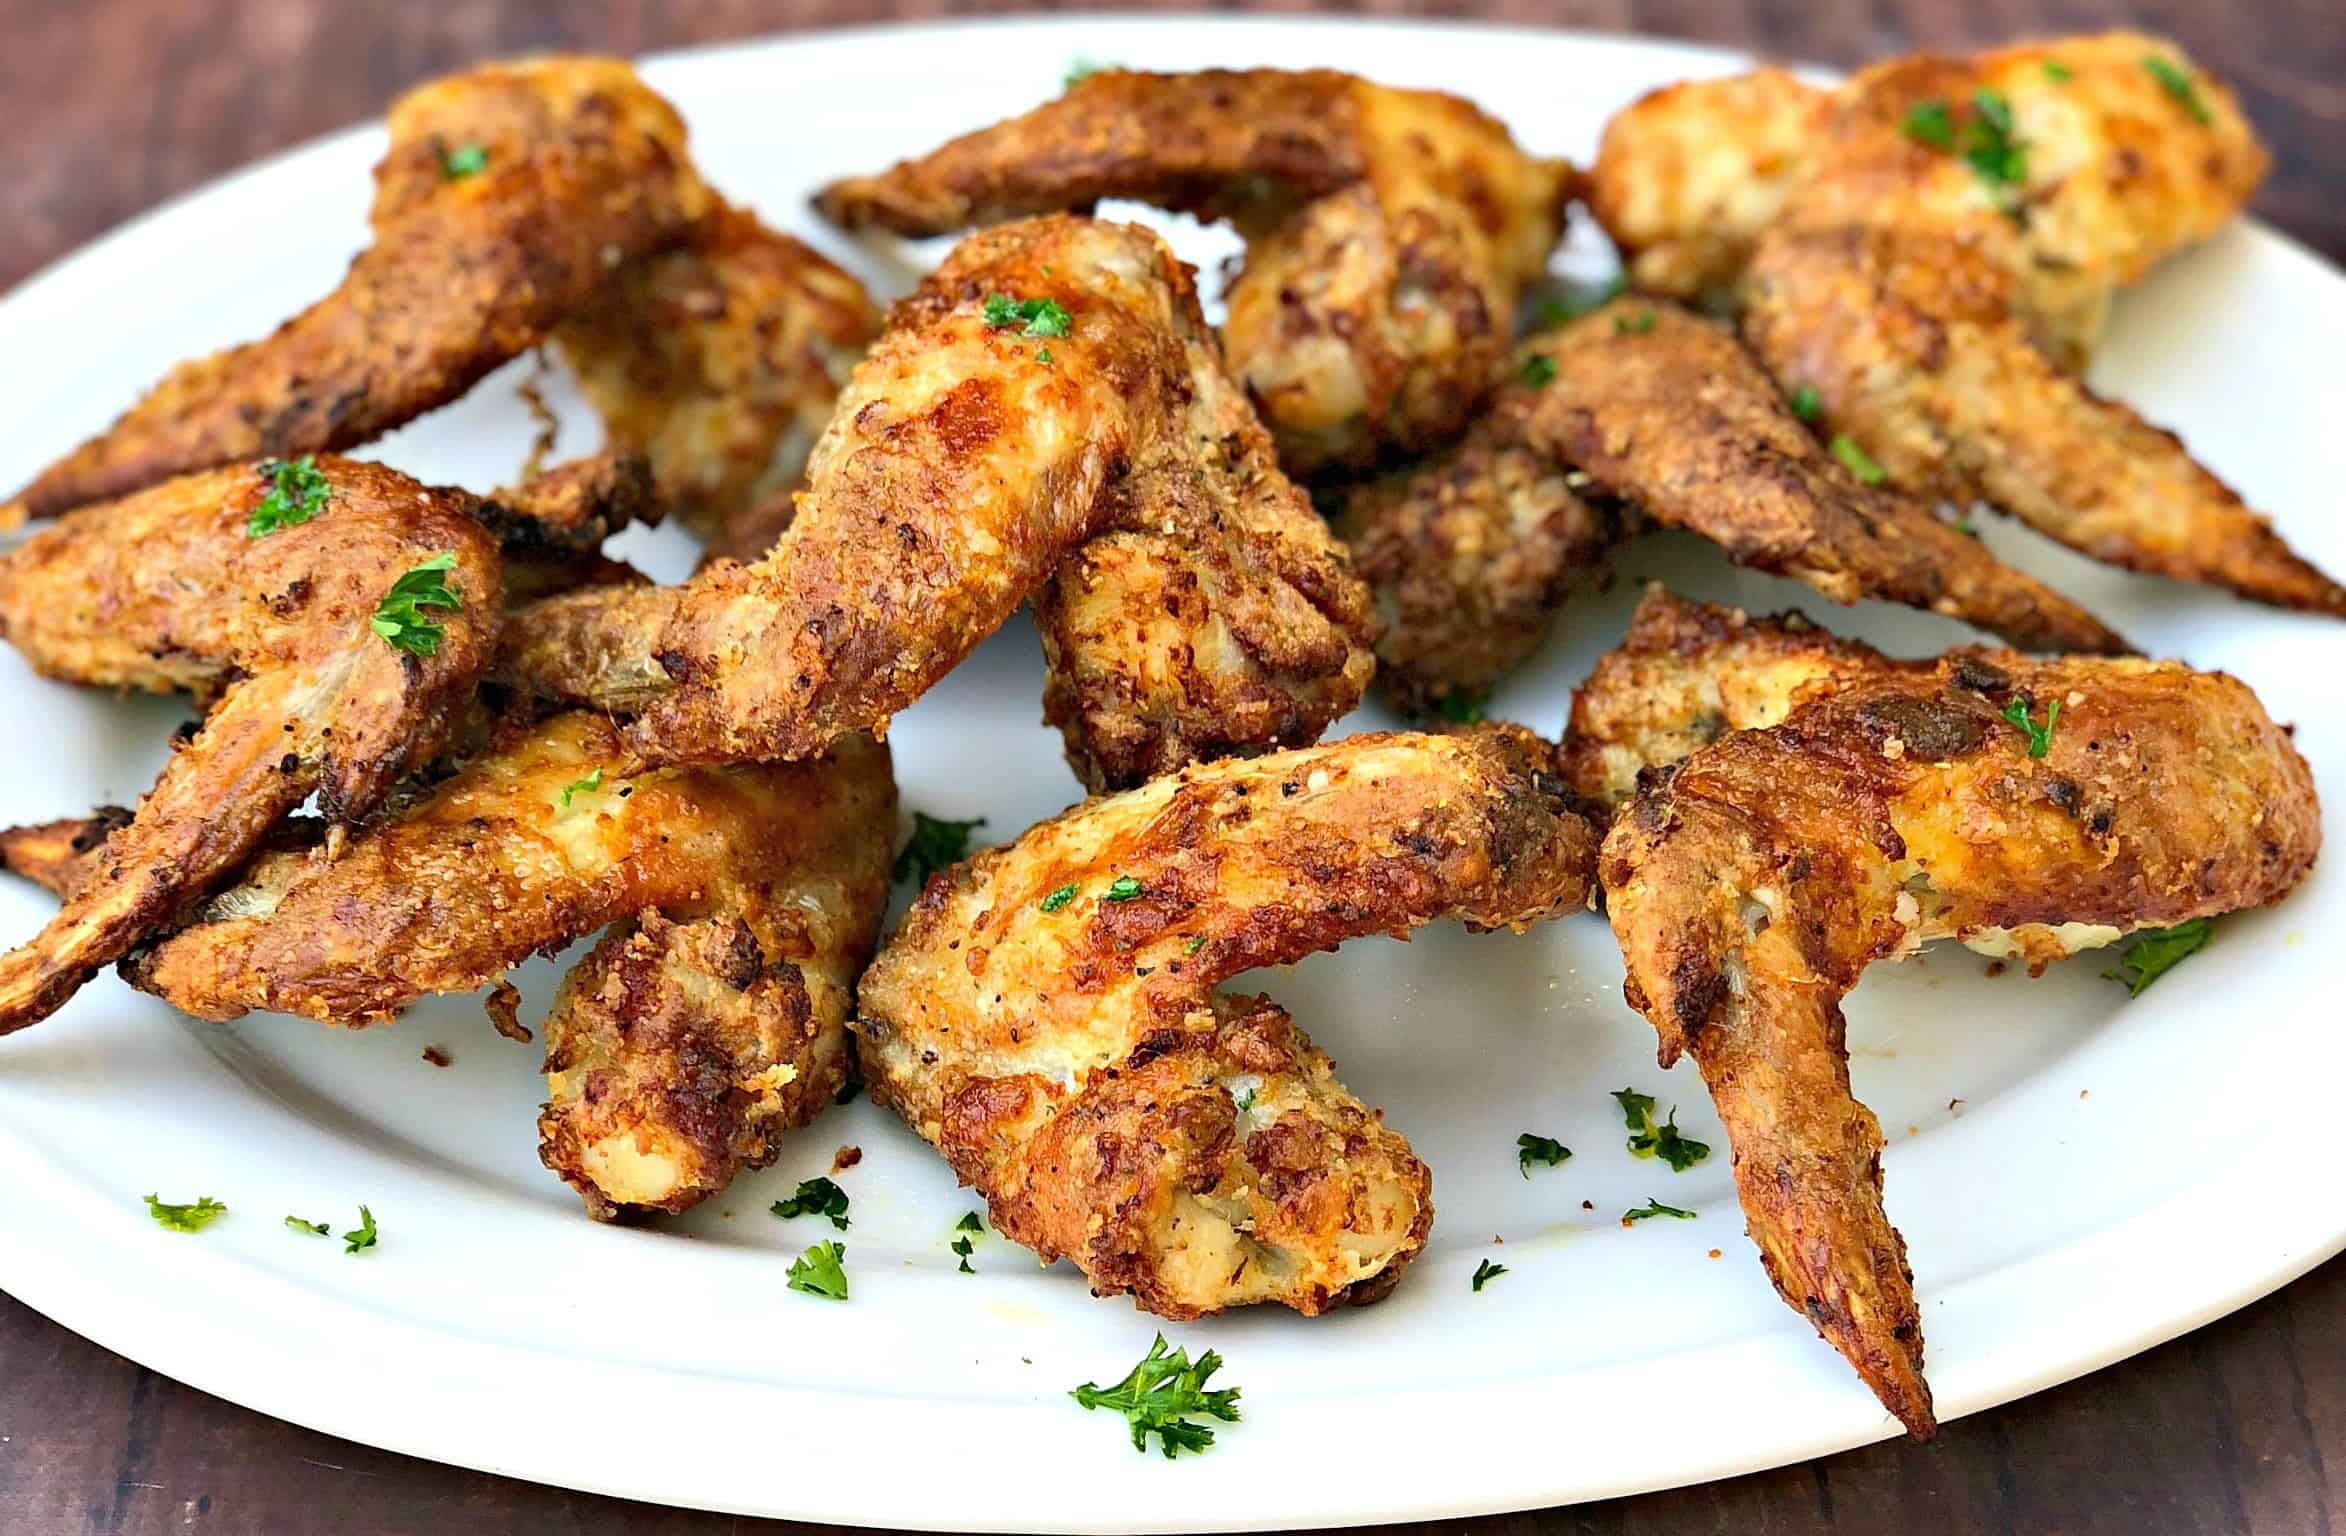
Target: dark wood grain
x,y
114,105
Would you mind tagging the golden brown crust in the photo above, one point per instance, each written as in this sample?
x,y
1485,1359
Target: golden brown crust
x,y
1076,1063
167,589
1389,233
719,361
1751,887
1667,412
572,508
585,168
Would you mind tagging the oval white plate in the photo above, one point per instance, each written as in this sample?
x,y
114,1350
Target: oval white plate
x,y
2078,1176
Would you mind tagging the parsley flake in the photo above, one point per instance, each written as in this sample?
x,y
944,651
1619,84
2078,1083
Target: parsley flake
x,y
1653,1207
815,1197
1664,1141
1043,356
462,161
1080,69
1194,945
935,844
1059,898
364,1237
1538,370
1245,1101
297,491
1857,461
1039,317
585,786
970,1221
1637,1109
186,1218
314,1228
1805,403
2152,952
961,1246
1122,888
2177,80
1487,1271
1637,323
1530,1149
2040,737
1929,122
818,1272
400,618
1461,708
1985,141
1162,1394
2058,72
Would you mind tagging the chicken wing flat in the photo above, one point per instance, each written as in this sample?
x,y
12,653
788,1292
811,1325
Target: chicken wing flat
x,y
508,195
337,616
1643,412
1389,233
1750,888
719,361
1051,382
1048,1015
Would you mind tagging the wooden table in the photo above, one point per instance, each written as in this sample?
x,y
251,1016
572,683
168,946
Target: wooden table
x,y
114,105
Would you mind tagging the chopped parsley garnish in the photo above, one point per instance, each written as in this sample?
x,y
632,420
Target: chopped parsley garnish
x,y
314,1228
935,844
818,1272
964,1245
297,491
1653,1207
1122,888
1039,317
399,617
1805,404
1538,370
462,161
364,1236
2058,72
961,1246
1967,525
2177,80
1647,1139
2040,737
585,786
1059,898
1985,141
1161,1395
1245,1101
1194,945
2153,952
815,1197
186,1218
1530,1149
1043,356
1857,461
970,1221
1461,708
1634,324
1486,1271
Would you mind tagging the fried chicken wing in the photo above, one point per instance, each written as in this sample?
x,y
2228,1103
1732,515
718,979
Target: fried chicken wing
x,y
965,462
1049,1016
580,167
1389,233
283,633
1751,887
719,361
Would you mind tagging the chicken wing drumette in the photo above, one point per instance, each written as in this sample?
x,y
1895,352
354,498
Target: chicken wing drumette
x,y
1389,233
1643,410
1750,887
1048,1016
335,616
1932,250
1051,383
508,195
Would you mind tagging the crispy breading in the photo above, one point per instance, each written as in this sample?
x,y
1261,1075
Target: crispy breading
x,y
1389,233
719,361
1048,1014
585,168
573,507
168,589
1751,886
1688,673
960,470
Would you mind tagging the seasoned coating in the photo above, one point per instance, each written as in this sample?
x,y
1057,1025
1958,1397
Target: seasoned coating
x,y
167,589
1389,233
959,471
573,507
1048,1018
585,168
1688,673
719,361
1915,350
1751,887
1667,412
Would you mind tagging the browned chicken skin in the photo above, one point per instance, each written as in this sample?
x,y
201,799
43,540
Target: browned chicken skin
x,y
1643,410
1750,886
1048,1015
584,168
1939,315
1389,233
960,470
168,589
